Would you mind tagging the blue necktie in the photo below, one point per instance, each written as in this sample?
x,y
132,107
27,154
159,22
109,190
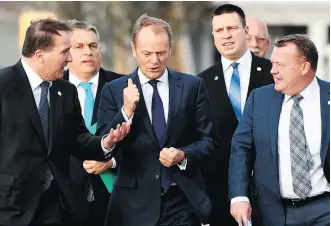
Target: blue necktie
x,y
159,124
43,110
88,106
234,91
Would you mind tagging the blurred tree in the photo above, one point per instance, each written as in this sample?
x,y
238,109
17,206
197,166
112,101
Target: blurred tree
x,y
115,20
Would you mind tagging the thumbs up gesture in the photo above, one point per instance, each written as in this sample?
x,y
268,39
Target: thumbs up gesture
x,y
131,98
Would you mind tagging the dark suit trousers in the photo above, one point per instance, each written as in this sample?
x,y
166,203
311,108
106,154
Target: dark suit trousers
x,y
176,210
98,211
49,211
316,213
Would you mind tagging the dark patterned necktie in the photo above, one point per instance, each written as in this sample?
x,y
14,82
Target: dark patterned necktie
x,y
159,125
301,159
43,110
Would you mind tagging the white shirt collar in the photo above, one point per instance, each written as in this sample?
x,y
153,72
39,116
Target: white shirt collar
x,y
245,59
143,79
76,81
308,93
34,79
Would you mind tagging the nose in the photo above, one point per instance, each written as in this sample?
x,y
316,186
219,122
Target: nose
x,y
154,58
226,34
273,69
87,50
252,42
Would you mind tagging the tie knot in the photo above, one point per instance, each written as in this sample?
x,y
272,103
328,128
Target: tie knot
x,y
153,83
235,65
44,85
86,85
296,98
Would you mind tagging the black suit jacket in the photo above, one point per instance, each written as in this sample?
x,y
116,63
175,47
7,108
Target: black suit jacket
x,y
23,153
79,176
216,172
136,198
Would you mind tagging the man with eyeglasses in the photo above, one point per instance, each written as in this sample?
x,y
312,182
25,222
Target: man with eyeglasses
x,y
284,136
229,82
92,178
258,37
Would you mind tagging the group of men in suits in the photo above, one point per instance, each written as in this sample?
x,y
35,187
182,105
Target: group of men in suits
x,y
167,135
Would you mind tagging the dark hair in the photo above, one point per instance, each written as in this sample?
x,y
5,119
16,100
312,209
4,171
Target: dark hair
x,y
39,35
229,8
305,46
83,25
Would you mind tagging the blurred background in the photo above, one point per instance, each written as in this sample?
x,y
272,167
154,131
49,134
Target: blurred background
x,y
193,49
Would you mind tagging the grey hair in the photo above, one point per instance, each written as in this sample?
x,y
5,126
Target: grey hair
x,y
76,24
145,20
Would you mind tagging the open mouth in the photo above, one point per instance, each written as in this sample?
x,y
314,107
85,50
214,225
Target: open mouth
x,y
228,43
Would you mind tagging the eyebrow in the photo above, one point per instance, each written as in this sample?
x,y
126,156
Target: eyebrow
x,y
66,49
81,42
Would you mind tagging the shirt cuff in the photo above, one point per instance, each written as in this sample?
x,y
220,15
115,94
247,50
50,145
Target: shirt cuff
x,y
182,165
239,199
106,151
114,163
126,117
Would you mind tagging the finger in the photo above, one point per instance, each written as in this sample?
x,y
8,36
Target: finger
x,y
90,171
239,220
130,82
245,221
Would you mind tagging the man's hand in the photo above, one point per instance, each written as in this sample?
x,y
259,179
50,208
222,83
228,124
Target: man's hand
x,y
116,135
131,98
171,156
94,167
241,212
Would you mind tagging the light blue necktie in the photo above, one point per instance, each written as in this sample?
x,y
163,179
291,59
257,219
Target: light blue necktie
x,y
108,177
88,106
234,91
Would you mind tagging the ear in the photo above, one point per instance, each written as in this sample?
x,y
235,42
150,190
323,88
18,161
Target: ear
x,y
305,67
133,48
170,47
268,41
246,30
39,54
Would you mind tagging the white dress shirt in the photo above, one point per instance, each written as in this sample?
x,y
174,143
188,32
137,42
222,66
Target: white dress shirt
x,y
35,80
244,68
311,109
147,90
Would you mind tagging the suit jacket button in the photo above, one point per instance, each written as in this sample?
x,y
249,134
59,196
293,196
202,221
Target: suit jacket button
x,y
157,177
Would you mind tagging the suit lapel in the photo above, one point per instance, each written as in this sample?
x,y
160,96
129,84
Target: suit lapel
x,y
101,83
325,118
218,92
275,109
175,96
25,94
56,96
141,110
256,75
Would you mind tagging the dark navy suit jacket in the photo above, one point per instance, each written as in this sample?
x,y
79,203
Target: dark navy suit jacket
x,y
136,197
